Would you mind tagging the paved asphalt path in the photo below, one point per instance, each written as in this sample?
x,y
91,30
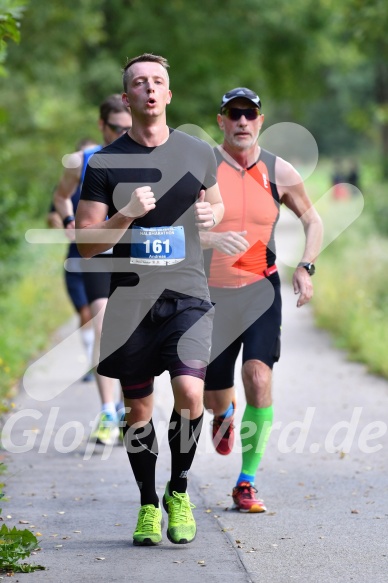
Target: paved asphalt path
x,y
323,478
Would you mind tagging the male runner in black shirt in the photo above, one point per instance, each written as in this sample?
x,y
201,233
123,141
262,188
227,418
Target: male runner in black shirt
x,y
158,187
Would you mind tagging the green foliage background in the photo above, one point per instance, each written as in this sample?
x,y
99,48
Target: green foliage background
x,y
306,62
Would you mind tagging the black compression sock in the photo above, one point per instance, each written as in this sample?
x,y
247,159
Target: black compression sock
x,y
183,435
142,450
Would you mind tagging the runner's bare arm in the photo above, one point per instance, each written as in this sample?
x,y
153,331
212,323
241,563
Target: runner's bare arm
x,y
53,220
67,186
293,194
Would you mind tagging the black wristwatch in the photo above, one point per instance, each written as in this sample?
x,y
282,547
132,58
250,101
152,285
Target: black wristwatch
x,y
67,220
309,267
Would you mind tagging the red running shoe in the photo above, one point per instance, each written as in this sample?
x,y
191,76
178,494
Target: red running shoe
x,y
223,433
244,498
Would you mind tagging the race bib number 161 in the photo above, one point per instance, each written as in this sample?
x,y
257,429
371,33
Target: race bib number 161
x,y
157,245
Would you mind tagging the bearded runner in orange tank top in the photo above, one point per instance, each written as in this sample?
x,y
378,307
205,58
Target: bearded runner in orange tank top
x,y
244,284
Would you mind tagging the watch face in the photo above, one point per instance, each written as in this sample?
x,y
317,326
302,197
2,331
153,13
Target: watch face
x,y
311,268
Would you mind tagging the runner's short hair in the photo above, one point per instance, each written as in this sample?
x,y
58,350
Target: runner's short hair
x,y
144,58
112,104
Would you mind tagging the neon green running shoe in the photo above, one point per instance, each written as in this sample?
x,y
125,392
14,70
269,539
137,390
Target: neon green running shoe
x,y
106,431
181,524
149,526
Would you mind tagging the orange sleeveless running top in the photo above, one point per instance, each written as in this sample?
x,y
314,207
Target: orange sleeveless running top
x,y
251,202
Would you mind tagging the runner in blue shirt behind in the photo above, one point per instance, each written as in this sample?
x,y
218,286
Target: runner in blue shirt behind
x,y
115,120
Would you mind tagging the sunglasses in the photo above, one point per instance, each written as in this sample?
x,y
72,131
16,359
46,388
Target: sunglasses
x,y
234,113
117,129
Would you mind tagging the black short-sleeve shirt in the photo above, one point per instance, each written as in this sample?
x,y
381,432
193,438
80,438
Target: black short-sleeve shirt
x,y
176,171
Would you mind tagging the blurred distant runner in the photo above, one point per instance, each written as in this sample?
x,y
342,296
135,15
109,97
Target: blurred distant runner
x,y
74,281
115,120
244,283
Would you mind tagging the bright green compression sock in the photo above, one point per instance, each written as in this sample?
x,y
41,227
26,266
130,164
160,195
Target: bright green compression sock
x,y
253,441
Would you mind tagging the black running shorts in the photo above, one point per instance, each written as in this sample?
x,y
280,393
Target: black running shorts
x,y
250,317
142,338
97,283
76,289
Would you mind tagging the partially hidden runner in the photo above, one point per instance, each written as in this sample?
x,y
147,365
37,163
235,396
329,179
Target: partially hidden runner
x,y
74,280
115,120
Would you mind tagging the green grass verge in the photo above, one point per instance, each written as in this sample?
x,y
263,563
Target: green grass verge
x,y
351,283
351,296
31,310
